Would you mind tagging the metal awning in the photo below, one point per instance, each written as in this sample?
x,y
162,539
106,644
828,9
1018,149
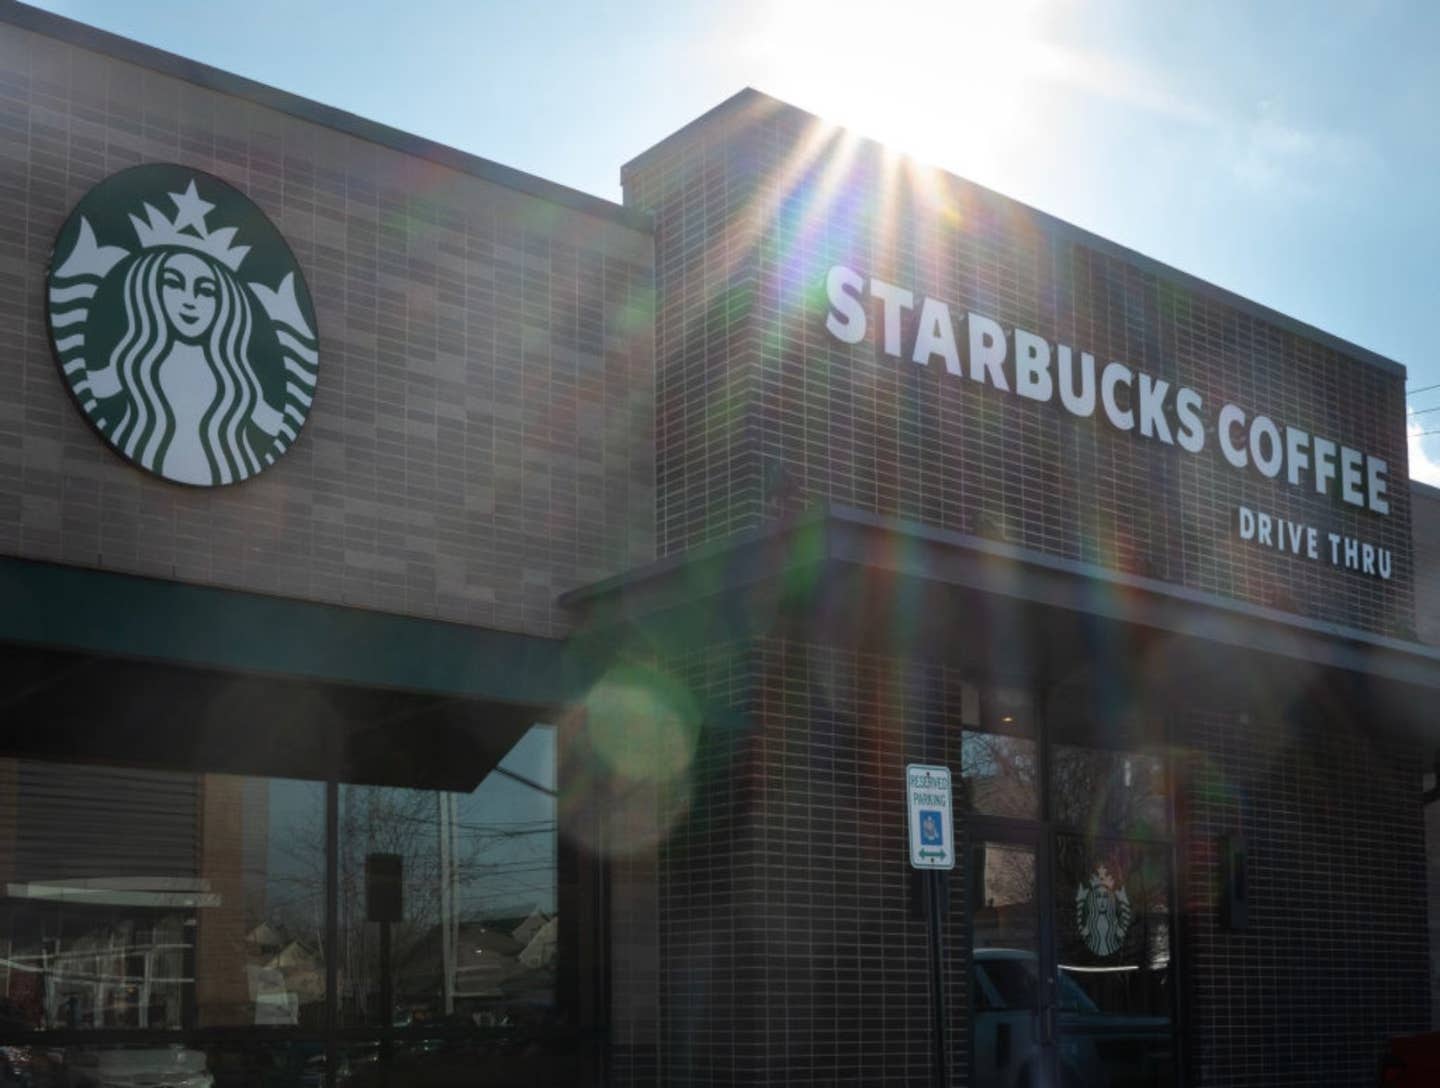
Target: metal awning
x,y
835,573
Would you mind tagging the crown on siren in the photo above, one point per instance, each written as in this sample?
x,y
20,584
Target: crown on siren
x,y
190,212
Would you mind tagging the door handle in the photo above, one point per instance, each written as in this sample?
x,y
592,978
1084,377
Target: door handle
x,y
1047,1024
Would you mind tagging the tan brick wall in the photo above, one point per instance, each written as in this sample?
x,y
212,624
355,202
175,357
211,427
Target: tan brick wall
x,y
482,435
222,993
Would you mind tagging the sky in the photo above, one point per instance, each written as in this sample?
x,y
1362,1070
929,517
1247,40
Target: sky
x,y
1286,151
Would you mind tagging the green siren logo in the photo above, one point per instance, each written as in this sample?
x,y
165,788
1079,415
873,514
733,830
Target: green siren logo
x,y
182,325
1102,913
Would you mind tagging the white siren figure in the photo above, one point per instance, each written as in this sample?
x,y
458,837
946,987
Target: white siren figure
x,y
183,362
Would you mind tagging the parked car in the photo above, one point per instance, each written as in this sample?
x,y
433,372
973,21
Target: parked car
x,y
139,1067
1115,1050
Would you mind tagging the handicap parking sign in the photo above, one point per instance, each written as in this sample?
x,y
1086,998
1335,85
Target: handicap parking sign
x,y
931,820
930,832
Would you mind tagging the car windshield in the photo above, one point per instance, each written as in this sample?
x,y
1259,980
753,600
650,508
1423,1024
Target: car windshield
x,y
1012,979
1072,997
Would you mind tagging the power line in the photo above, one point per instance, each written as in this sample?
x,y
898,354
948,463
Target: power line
x,y
1423,411
1422,389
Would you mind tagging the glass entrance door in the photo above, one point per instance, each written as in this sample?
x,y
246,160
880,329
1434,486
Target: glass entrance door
x,y
1073,981
1113,971
1011,1042
1070,898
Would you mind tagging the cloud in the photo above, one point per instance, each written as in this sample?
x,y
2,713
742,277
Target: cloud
x,y
1424,465
1275,153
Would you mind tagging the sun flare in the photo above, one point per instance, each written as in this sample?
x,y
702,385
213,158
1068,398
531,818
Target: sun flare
x,y
952,81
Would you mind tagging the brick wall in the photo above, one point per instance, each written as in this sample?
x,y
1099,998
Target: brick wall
x,y
1425,502
222,990
1335,957
789,951
1426,506
481,437
760,407
790,954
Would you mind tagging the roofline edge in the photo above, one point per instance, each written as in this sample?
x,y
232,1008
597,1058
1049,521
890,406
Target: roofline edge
x,y
84,36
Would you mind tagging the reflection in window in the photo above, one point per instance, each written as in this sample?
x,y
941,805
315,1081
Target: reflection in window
x,y
477,937
1003,894
1107,768
1114,793
251,1063
158,900
999,765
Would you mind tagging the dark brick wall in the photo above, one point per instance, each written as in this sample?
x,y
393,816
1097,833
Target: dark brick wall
x,y
788,950
790,954
759,407
1425,501
481,437
712,1020
1335,958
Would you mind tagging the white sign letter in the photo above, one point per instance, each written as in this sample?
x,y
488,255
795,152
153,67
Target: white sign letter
x,y
1350,476
1192,426
1375,470
1082,402
936,336
1153,423
895,300
987,351
1297,443
1111,376
846,320
1032,366
1324,464
1230,417
1262,427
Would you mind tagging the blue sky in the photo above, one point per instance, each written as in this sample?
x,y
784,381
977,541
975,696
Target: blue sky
x,y
1287,151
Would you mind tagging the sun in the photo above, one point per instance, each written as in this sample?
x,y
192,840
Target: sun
x,y
951,81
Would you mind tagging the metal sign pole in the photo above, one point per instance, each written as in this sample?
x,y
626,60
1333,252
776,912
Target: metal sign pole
x,y
934,887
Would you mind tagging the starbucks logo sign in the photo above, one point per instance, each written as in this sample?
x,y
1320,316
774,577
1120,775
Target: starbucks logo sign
x,y
182,325
1102,912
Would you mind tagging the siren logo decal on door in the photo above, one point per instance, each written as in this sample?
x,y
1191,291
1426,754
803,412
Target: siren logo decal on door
x,y
1102,911
182,325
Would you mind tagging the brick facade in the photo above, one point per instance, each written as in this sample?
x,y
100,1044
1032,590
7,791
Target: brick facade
x,y
788,950
791,952
1335,957
523,391
480,439
1425,502
760,407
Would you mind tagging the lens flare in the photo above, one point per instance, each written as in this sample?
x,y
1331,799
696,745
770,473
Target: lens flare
x,y
631,745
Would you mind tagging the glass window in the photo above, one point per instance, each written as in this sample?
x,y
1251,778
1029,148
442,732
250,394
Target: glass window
x,y
477,935
1107,767
1115,793
252,1063
159,900
999,763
